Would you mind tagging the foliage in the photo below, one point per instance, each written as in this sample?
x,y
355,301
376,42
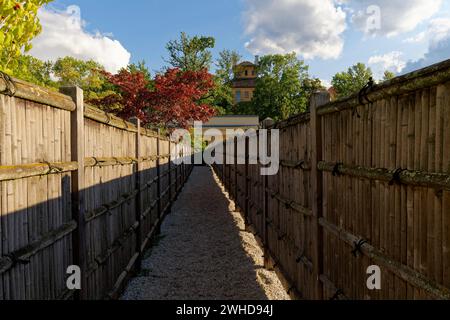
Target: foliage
x,y
177,99
141,67
19,24
280,90
35,71
88,75
174,102
190,53
312,85
225,64
74,72
388,75
244,108
222,96
130,97
352,81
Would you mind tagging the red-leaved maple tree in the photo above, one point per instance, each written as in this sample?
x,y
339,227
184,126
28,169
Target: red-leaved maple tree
x,y
175,101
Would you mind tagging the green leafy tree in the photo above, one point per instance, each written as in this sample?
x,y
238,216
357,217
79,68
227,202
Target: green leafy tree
x,y
88,75
222,96
190,53
311,85
35,71
140,67
280,91
352,81
19,24
225,63
388,75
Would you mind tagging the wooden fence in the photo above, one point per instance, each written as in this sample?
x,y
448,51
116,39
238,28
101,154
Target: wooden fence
x,y
363,181
78,187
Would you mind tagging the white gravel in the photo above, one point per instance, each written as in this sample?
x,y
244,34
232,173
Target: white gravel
x,y
203,254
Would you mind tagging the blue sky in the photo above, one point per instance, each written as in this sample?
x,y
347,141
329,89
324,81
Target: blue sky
x,y
329,34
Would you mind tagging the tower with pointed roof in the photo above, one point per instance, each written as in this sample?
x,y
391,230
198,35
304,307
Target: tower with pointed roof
x,y
244,82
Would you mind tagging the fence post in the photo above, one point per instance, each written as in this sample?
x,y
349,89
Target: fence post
x,y
247,191
318,99
158,172
170,175
78,185
265,224
236,167
224,154
138,197
183,164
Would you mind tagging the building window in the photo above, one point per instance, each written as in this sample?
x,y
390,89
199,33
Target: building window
x,y
247,95
238,96
246,73
253,72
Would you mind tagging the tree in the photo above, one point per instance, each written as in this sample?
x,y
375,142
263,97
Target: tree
x,y
88,75
190,53
352,81
19,24
140,67
35,71
279,89
225,64
222,96
178,99
130,97
175,101
311,85
388,75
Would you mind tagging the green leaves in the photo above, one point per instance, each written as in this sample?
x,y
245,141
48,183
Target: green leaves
x,y
352,81
280,89
190,53
19,24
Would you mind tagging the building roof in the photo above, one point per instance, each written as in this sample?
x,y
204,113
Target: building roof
x,y
244,83
235,121
247,64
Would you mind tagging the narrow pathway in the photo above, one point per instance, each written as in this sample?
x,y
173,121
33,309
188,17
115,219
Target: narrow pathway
x,y
202,252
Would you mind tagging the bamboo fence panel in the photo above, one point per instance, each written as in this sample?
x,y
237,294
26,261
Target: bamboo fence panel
x,y
37,170
362,181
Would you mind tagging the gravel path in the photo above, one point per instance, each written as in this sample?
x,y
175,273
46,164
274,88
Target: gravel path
x,y
202,252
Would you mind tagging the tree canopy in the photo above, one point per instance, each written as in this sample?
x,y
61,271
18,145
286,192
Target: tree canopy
x,y
175,101
33,70
19,24
190,53
283,86
222,96
225,63
388,75
351,81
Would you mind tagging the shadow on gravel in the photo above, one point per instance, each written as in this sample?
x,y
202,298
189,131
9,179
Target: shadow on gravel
x,y
200,254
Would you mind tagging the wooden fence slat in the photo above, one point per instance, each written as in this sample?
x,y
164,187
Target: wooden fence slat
x,y
78,185
317,100
138,205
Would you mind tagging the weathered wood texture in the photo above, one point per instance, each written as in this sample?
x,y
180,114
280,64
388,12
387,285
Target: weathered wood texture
x,y
37,168
382,197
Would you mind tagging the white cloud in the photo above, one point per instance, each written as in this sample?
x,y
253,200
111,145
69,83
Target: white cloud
x,y
63,35
311,28
396,16
438,34
390,61
418,38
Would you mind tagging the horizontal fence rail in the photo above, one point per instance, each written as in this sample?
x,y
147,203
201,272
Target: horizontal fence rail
x,y
78,186
362,182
